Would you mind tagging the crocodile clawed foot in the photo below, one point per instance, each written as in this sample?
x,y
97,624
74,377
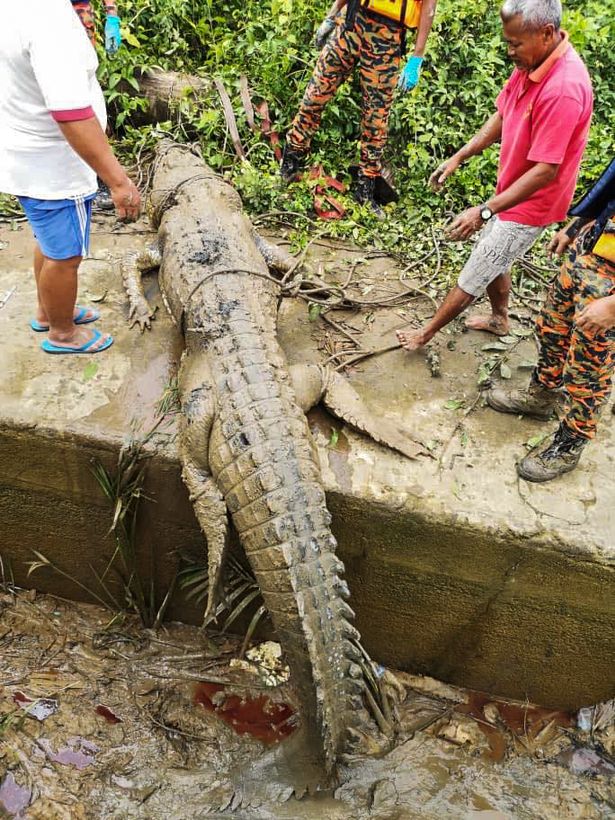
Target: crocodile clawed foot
x,y
293,767
366,743
141,314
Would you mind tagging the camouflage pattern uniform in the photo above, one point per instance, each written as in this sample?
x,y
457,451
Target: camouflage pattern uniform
x,y
374,45
86,15
568,356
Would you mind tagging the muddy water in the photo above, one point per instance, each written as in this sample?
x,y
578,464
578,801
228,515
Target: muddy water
x,y
99,722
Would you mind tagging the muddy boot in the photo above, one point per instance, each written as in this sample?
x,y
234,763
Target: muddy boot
x,y
364,192
535,401
292,163
103,200
558,456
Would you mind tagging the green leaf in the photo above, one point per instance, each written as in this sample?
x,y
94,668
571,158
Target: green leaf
x,y
454,404
505,371
523,331
526,365
314,311
89,371
335,435
508,340
494,346
130,38
534,441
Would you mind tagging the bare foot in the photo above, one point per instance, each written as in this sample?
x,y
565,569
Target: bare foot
x,y
412,339
490,324
80,337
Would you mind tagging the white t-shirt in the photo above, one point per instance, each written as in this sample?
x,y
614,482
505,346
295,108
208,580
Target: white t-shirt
x,y
47,64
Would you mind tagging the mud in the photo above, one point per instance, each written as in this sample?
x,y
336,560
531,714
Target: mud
x,y
456,568
164,756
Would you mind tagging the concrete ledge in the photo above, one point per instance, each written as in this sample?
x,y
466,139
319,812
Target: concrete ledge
x,y
457,569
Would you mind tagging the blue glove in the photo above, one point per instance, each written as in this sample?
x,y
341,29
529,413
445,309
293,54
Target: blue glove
x,y
325,30
113,37
409,77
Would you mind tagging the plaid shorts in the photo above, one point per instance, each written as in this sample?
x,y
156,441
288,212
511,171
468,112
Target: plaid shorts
x,y
499,245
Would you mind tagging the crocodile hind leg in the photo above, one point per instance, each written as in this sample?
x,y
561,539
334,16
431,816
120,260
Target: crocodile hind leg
x,y
198,411
313,383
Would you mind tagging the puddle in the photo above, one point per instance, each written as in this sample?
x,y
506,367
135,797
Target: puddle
x,y
258,717
495,717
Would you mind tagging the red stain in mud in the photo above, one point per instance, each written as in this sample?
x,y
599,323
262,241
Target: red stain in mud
x,y
108,715
521,720
259,717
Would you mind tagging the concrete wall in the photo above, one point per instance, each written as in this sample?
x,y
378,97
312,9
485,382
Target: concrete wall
x,y
509,616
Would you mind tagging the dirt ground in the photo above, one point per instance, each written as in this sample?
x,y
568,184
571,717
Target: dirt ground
x,y
103,721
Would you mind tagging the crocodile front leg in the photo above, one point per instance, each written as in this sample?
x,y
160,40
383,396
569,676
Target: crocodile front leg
x,y
198,413
278,259
132,268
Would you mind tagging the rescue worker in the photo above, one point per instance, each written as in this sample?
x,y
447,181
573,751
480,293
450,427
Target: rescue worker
x,y
576,335
113,40
113,37
369,35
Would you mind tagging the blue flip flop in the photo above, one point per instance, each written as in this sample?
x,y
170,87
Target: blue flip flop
x,y
49,347
80,319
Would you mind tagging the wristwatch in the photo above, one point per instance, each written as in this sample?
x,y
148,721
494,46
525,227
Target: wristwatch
x,y
485,213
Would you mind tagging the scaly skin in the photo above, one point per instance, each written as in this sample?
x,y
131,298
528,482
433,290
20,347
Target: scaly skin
x,y
245,445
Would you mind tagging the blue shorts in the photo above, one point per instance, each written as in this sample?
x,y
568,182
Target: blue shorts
x,y
61,226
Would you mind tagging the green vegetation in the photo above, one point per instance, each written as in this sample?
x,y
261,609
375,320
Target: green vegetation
x,y
270,41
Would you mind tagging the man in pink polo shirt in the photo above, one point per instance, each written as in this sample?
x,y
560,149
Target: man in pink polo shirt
x,y
542,122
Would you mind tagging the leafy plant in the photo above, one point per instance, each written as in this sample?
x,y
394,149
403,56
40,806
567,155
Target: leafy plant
x,y
243,595
124,492
270,41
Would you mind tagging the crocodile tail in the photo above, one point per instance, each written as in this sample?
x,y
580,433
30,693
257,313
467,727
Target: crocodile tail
x,y
262,456
341,399
303,588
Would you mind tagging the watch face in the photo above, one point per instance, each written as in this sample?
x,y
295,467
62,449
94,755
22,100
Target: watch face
x,y
486,214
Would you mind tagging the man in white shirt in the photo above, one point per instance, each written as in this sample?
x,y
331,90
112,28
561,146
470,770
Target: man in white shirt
x,y
52,146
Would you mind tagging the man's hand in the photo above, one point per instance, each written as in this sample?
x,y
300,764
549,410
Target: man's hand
x,y
411,72
325,30
127,200
113,36
559,243
443,172
464,225
598,316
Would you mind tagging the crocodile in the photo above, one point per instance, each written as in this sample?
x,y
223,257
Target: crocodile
x,y
244,442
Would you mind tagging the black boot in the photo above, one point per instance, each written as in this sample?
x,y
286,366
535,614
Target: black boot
x,y
558,456
364,192
292,163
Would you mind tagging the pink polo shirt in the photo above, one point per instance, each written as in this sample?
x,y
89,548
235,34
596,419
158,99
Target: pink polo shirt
x,y
545,118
